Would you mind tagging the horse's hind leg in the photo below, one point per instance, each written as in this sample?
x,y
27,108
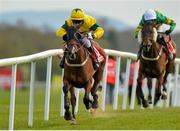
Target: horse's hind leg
x,y
164,91
94,94
86,99
97,78
67,115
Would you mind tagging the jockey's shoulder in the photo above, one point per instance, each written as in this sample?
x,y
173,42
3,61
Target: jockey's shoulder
x,y
89,20
69,22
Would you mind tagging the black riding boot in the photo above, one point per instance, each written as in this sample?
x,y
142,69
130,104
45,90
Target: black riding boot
x,y
62,61
139,52
96,63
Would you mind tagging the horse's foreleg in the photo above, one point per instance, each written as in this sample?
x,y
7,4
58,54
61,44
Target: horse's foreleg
x,y
149,84
139,91
73,101
87,101
67,115
158,89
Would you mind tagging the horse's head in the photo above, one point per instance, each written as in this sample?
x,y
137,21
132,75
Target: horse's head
x,y
73,45
148,35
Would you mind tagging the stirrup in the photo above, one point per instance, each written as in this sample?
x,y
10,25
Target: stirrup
x,y
171,56
96,65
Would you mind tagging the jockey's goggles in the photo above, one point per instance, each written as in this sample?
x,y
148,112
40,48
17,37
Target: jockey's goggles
x,y
77,21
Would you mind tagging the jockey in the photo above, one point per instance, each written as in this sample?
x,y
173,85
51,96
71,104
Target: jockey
x,y
87,26
159,19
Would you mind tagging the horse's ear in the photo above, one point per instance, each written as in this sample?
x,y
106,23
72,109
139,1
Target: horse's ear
x,y
155,35
140,36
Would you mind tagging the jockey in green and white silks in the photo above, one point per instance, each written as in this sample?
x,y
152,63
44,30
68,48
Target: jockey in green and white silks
x,y
160,20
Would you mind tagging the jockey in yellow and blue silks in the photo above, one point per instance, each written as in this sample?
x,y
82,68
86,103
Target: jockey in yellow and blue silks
x,y
159,19
86,25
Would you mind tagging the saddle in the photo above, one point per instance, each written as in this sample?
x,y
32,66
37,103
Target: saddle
x,y
99,52
168,44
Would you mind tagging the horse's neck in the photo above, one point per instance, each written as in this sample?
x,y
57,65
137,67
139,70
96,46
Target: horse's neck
x,y
155,49
81,55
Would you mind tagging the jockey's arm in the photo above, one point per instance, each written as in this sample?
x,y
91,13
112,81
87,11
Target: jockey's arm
x,y
61,32
164,20
97,30
138,28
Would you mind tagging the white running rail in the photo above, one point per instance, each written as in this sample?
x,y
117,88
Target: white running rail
x,y
54,52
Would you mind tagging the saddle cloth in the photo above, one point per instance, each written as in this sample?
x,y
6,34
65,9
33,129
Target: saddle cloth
x,y
99,54
171,47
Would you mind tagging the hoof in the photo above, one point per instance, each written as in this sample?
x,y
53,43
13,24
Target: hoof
x,y
67,116
93,112
149,101
164,95
145,103
95,105
73,121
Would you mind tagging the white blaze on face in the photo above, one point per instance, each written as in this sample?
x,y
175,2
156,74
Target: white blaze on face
x,y
73,50
140,36
155,35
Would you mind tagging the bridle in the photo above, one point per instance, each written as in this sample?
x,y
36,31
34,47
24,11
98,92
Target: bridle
x,y
77,37
149,45
78,41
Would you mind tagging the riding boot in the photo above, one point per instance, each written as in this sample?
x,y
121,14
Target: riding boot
x,y
170,54
96,63
62,61
139,52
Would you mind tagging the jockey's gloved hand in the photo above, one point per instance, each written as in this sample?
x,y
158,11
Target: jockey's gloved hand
x,y
65,37
168,32
90,35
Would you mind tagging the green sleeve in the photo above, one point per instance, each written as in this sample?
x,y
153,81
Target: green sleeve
x,y
161,19
139,27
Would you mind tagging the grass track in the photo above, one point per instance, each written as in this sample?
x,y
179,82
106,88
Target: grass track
x,y
164,119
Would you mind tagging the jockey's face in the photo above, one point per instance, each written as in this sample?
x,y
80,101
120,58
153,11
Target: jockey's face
x,y
77,23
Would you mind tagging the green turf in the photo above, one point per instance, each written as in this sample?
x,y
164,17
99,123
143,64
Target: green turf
x,y
157,118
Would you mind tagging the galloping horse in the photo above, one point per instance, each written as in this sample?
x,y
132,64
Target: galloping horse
x,y
79,73
153,62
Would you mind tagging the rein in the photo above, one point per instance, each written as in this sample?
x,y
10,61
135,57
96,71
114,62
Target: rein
x,y
152,59
78,65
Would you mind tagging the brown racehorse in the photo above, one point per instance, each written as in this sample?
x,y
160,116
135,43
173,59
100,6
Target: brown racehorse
x,y
79,73
153,62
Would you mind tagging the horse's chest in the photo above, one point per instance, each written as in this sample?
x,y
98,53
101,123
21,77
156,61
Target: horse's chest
x,y
77,76
151,69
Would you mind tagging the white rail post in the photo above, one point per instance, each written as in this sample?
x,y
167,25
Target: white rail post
x,y
62,97
125,93
12,99
168,90
31,94
48,85
77,99
104,85
116,90
153,91
175,86
133,93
